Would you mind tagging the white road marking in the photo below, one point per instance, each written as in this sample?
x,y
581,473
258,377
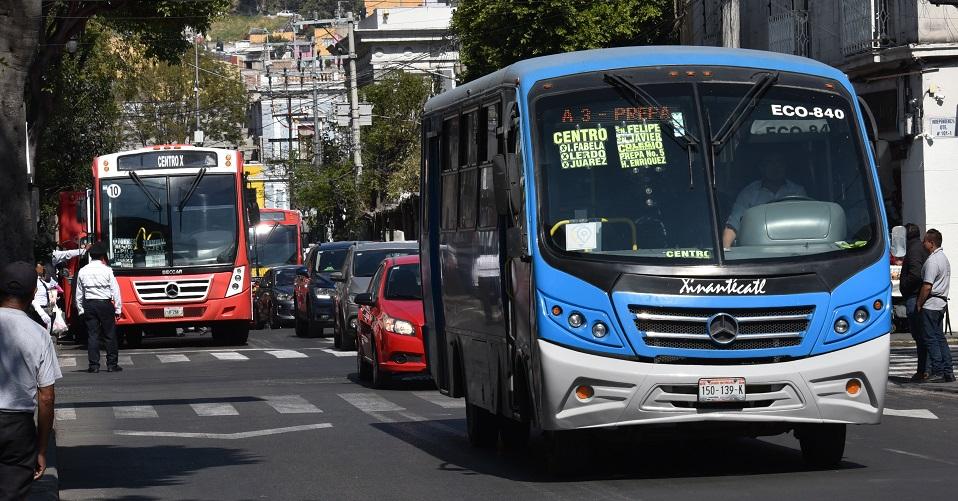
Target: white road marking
x,y
921,456
412,417
125,360
225,436
65,414
340,353
290,404
169,359
134,412
370,402
287,354
912,413
229,355
441,400
68,362
214,409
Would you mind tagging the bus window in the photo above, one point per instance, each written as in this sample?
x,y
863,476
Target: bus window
x,y
467,198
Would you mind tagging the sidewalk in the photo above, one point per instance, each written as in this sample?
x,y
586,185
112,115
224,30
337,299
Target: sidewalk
x,y
48,487
902,339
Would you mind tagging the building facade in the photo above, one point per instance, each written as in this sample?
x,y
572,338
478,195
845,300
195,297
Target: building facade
x,y
901,56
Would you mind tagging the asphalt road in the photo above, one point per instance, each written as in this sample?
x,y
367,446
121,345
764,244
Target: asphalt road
x,y
286,418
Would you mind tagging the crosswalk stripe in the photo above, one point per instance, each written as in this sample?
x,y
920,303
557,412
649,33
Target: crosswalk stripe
x,y
340,353
229,355
287,354
68,362
290,404
912,413
168,359
440,399
370,402
214,409
134,412
125,360
65,414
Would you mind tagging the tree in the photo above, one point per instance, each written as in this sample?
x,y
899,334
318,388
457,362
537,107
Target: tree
x,y
496,33
331,191
160,106
35,36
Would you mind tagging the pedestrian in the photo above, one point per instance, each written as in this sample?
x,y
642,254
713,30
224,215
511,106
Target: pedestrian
x,y
909,284
932,300
41,299
99,305
28,371
61,256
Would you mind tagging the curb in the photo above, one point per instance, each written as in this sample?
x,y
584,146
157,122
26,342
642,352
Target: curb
x,y
48,487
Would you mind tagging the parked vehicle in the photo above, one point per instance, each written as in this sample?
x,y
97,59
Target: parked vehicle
x,y
273,303
361,263
390,322
313,291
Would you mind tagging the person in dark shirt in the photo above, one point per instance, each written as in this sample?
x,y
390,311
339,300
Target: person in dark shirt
x,y
910,283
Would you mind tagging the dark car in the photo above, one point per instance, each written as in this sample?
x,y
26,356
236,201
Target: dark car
x,y
273,303
313,292
361,264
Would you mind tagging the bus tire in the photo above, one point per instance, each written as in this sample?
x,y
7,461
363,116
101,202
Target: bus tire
x,y
133,338
481,426
514,434
231,334
823,445
566,452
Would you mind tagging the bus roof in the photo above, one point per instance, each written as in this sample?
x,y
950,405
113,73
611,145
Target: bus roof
x,y
531,70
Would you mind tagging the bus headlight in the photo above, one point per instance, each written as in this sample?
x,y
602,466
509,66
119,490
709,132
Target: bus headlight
x,y
576,320
236,281
861,315
599,330
841,325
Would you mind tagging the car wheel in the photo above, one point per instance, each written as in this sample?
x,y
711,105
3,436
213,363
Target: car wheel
x,y
379,377
274,322
300,327
822,444
362,366
348,341
257,318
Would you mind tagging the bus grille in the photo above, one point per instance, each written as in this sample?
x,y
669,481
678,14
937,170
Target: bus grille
x,y
686,328
172,291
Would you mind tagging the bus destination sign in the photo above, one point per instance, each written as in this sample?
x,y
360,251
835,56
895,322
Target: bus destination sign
x,y
168,159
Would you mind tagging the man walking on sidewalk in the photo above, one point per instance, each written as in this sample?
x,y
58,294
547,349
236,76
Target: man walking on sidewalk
x,y
932,299
100,305
28,370
910,284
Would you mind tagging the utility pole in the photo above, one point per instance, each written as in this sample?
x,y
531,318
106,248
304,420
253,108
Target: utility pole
x,y
354,97
289,144
317,137
197,134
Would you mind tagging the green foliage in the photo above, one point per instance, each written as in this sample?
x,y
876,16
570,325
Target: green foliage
x,y
331,191
231,28
496,33
161,105
391,144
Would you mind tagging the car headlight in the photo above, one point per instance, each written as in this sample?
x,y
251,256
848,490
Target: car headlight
x,y
398,326
282,296
320,293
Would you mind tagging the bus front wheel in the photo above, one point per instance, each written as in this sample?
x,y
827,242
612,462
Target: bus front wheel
x,y
481,426
232,333
822,444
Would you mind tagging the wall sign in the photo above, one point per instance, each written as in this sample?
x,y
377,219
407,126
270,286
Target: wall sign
x,y
942,127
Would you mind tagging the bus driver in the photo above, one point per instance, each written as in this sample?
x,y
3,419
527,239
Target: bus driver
x,y
773,186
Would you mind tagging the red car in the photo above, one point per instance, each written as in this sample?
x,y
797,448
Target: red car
x,y
389,325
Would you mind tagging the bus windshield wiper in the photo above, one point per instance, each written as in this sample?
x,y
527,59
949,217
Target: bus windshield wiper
x,y
139,183
743,108
675,129
193,186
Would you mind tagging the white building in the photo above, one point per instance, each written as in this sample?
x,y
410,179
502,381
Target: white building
x,y
902,57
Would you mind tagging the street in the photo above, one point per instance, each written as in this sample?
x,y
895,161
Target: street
x,y
287,418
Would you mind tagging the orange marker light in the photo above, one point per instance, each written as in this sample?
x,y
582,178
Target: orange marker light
x,y
877,304
706,73
547,86
584,392
690,73
829,86
853,387
557,310
673,74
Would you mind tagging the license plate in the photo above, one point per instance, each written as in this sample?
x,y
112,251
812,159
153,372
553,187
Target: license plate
x,y
730,389
173,312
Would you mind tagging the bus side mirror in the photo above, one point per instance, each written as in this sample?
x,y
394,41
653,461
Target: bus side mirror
x,y
252,209
506,174
899,241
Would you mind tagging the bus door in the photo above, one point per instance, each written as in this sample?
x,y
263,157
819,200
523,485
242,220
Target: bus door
x,y
75,225
436,347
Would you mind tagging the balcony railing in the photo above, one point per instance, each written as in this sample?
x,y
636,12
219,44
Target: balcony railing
x,y
864,26
788,32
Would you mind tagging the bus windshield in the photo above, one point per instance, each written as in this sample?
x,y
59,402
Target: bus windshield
x,y
274,244
150,222
734,163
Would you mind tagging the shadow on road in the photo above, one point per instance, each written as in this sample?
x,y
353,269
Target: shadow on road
x,y
606,456
112,467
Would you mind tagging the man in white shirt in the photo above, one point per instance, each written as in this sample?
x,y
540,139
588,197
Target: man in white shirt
x,y
28,371
932,301
41,299
62,256
773,186
100,305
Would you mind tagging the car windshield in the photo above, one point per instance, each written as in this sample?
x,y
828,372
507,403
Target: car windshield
x,y
274,244
331,260
149,221
623,168
366,262
404,283
285,277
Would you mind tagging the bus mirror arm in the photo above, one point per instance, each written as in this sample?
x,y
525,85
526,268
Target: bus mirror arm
x,y
506,173
501,180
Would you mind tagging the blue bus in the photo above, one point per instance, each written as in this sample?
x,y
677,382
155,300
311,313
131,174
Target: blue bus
x,y
630,237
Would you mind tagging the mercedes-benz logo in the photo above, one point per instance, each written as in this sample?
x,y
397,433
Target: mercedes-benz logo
x,y
172,290
722,328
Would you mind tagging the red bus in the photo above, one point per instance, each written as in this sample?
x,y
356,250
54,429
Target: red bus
x,y
276,240
175,219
